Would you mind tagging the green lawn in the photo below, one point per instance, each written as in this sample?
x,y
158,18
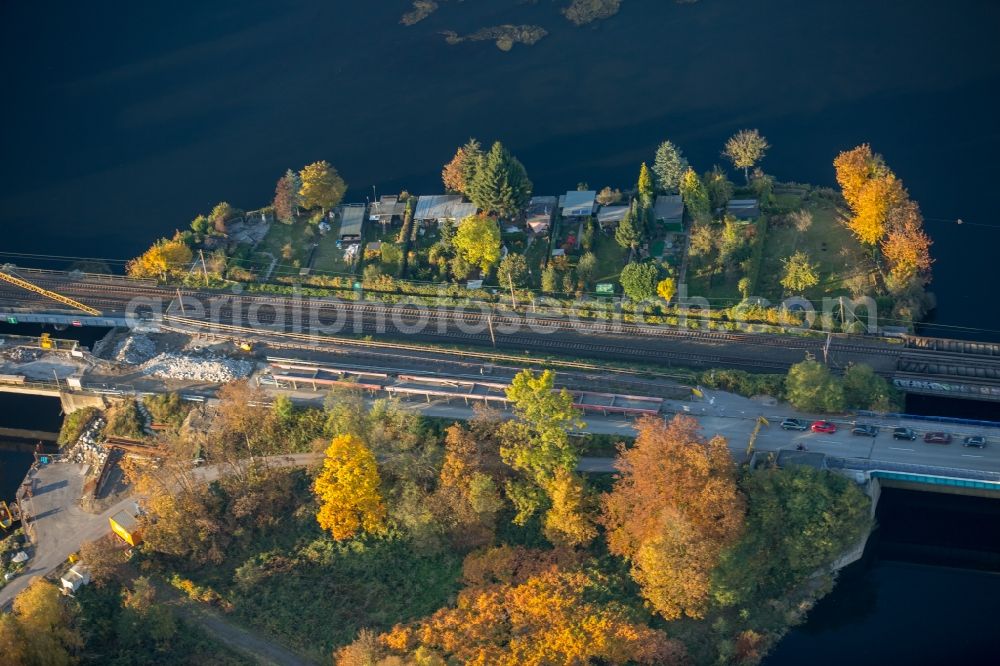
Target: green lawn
x,y
827,242
610,257
536,257
278,237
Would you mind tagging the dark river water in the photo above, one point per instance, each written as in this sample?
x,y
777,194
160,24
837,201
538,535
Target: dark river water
x,y
122,121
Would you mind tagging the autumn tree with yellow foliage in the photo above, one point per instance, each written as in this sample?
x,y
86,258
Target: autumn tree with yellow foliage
x,y
568,522
322,187
348,490
42,629
546,619
673,510
164,259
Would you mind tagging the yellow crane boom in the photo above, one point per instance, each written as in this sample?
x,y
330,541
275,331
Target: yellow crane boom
x,y
7,277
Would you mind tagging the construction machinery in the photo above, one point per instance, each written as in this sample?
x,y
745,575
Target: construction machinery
x,y
24,284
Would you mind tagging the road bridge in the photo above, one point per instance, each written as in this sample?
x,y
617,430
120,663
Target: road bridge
x,y
934,366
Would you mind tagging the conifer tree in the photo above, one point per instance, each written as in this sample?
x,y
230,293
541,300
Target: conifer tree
x,y
500,184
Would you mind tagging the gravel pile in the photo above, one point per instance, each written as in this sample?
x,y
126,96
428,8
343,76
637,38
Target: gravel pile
x,y
208,368
135,349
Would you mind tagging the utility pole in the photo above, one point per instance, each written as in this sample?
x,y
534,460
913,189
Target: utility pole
x,y
204,268
180,299
826,348
489,320
512,299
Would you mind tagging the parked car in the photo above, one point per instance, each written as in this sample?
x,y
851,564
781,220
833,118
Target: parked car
x,y
904,433
794,424
937,438
977,441
865,430
823,426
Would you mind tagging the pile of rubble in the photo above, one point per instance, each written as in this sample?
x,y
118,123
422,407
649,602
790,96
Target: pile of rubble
x,y
88,448
135,349
22,354
206,368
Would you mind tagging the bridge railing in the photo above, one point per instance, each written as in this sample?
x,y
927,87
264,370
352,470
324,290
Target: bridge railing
x,y
864,465
934,419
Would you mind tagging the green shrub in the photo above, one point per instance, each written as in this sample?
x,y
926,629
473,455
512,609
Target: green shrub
x,y
74,423
124,420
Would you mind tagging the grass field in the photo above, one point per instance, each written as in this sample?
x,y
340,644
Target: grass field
x,y
827,242
610,257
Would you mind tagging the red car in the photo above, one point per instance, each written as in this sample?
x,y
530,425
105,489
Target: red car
x,y
823,426
937,438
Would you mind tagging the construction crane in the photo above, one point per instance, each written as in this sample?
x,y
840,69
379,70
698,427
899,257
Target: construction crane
x,y
24,284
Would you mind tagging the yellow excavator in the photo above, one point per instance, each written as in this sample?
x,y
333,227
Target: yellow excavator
x,y
24,284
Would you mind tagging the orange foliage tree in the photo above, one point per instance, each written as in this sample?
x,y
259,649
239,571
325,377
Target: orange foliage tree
x,y
547,619
876,200
673,510
906,247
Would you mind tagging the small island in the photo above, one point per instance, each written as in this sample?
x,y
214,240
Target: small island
x,y
505,36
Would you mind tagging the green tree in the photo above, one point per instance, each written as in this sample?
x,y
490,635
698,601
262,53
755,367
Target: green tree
x,y
478,241
286,197
501,184
639,280
731,241
201,225
799,273
744,287
745,149
669,165
537,444
550,280
221,214
719,188
646,188
810,387
629,231
549,415
512,271
322,187
586,268
695,196
863,389
800,520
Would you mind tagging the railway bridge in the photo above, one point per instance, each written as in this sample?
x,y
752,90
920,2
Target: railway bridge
x,y
933,366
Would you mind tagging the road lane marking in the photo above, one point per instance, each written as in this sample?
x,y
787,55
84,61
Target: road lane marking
x,y
896,448
825,441
969,455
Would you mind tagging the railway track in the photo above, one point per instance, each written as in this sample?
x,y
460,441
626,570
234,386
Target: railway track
x,y
531,331
97,293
